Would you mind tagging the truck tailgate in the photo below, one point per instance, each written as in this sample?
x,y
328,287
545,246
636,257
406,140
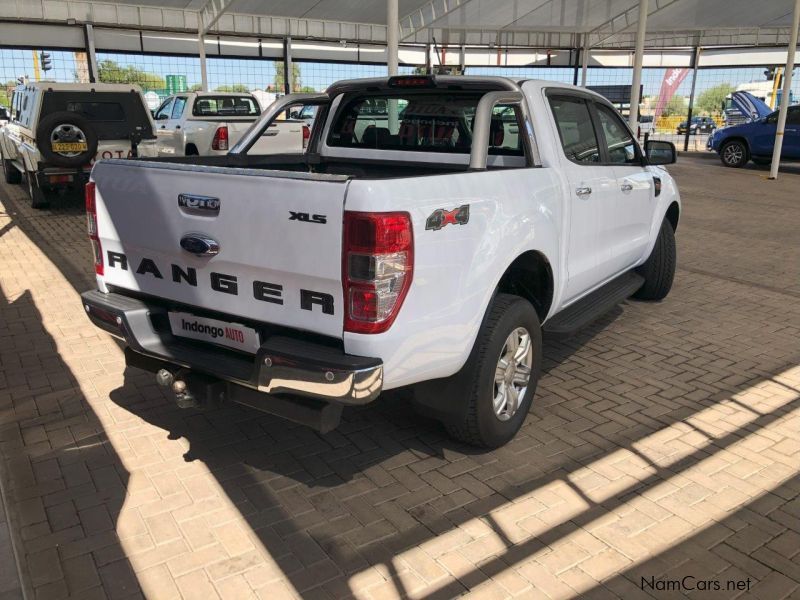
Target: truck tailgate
x,y
279,236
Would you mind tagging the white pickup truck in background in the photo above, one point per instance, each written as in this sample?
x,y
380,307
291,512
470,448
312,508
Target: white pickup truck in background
x,y
210,123
428,248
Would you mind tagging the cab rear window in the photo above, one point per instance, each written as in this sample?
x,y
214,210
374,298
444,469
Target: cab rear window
x,y
422,122
98,111
225,106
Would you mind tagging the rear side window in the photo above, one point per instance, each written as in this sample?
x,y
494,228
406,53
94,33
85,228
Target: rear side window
x,y
575,129
225,106
422,122
98,111
177,109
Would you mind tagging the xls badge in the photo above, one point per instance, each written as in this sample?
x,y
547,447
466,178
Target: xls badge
x,y
441,217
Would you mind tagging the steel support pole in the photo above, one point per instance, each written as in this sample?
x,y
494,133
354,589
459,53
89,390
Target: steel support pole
x,y
695,62
288,68
641,28
201,44
787,86
584,59
392,33
91,55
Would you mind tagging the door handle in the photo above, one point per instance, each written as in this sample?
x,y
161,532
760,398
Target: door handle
x,y
177,126
163,127
626,187
583,192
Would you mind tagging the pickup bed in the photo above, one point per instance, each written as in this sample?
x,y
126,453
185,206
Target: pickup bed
x,y
428,248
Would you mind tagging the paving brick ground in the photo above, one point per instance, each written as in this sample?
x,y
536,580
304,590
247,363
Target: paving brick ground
x,y
664,444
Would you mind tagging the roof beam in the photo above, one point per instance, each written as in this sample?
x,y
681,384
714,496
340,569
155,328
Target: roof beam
x,y
426,14
624,21
210,13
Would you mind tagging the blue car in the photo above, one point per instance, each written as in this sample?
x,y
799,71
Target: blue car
x,y
755,140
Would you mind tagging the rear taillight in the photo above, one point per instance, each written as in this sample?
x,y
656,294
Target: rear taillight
x,y
377,267
306,136
91,226
220,141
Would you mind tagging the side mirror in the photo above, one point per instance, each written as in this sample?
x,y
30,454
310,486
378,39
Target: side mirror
x,y
659,152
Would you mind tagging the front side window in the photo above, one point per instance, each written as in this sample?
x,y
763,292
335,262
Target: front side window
x,y
226,106
620,145
575,129
165,110
793,116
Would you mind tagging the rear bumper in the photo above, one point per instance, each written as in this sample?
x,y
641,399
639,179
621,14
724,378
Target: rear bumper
x,y
282,365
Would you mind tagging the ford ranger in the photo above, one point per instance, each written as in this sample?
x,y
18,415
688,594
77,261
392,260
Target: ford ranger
x,y
428,250
209,123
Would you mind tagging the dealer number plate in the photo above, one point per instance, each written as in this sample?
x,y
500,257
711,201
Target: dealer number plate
x,y
70,147
222,333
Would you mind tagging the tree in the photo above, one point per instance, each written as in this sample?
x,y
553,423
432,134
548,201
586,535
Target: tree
x,y
710,101
675,107
196,87
109,71
236,87
279,78
6,90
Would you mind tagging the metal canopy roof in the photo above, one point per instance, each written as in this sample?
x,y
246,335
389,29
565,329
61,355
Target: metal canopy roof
x,y
542,23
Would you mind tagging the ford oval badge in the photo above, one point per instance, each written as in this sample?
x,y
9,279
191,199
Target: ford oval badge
x,y
199,244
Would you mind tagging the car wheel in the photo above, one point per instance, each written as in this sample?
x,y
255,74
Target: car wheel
x,y
659,268
73,132
37,195
500,375
734,154
12,175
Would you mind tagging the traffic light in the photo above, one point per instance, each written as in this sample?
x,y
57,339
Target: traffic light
x,y
46,61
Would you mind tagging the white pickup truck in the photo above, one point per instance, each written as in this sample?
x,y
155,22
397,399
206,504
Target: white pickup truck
x,y
210,123
429,251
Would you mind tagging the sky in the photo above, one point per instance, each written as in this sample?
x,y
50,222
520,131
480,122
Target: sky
x,y
258,73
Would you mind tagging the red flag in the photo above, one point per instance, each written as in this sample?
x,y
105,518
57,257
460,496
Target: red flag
x,y
672,81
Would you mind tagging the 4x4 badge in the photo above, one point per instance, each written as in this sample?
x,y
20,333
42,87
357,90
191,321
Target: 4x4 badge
x,y
441,217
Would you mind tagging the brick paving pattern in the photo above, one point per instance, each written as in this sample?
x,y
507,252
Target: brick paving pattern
x,y
663,443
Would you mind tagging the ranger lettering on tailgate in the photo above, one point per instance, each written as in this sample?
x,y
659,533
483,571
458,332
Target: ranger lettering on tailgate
x,y
223,283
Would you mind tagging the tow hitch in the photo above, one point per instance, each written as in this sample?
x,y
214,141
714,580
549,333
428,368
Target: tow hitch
x,y
192,390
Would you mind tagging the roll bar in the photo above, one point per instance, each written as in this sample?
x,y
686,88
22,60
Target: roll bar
x,y
480,132
482,126
273,110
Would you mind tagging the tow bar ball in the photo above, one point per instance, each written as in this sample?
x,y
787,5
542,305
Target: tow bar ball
x,y
183,397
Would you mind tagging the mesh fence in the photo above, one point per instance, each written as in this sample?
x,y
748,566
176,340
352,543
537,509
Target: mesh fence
x,y
161,75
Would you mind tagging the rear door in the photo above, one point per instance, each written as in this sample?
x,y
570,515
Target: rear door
x,y
590,186
627,214
279,240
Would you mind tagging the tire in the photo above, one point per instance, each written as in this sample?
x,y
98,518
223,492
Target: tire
x,y
734,154
37,195
659,268
67,127
12,175
481,425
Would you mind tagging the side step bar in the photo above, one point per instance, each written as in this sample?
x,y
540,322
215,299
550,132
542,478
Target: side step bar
x,y
580,314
